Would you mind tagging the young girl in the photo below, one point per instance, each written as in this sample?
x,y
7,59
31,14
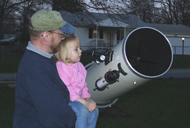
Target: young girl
x,y
73,74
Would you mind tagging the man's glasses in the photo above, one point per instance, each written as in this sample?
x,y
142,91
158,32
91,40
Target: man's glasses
x,y
62,35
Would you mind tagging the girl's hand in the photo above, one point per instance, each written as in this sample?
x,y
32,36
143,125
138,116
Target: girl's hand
x,y
91,105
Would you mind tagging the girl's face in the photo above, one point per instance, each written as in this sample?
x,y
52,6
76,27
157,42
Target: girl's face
x,y
75,54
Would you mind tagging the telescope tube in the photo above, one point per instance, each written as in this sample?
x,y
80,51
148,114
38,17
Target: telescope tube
x,y
144,54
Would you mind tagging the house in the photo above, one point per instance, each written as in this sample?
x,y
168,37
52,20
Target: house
x,y
99,30
174,33
178,36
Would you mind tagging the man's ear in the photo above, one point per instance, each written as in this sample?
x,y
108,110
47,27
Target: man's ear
x,y
45,36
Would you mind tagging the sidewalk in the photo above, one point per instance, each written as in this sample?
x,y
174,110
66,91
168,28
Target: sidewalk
x,y
177,73
7,76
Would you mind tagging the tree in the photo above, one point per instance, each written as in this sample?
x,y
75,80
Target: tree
x,y
69,5
25,11
151,11
145,9
6,7
176,12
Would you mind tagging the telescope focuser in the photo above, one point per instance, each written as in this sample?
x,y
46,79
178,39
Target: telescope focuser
x,y
101,57
110,77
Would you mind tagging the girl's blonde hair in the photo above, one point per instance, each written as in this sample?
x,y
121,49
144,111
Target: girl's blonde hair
x,y
64,51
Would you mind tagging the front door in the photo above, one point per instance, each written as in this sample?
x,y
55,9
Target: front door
x,y
110,38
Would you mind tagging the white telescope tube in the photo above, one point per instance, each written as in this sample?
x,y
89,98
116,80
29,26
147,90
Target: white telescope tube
x,y
144,54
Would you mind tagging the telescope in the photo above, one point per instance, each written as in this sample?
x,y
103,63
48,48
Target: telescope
x,y
144,54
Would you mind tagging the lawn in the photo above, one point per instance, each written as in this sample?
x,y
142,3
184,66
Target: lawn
x,y
9,63
157,104
181,61
160,103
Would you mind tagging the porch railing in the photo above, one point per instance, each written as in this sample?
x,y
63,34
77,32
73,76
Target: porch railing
x,y
100,44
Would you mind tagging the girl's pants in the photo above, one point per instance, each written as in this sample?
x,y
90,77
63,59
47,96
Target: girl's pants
x,y
85,118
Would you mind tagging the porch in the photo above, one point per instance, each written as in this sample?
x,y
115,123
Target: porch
x,y
100,44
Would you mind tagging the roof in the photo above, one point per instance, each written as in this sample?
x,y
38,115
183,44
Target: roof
x,y
171,28
111,23
122,20
91,18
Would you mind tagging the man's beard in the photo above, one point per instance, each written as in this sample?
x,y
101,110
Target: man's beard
x,y
54,48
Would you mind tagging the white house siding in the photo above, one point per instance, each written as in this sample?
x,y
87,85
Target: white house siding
x,y
176,43
82,34
86,43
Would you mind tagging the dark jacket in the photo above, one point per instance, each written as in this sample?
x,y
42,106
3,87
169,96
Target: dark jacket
x,y
41,98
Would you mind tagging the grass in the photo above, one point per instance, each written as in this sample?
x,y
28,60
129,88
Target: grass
x,y
7,106
160,103
9,63
157,104
181,61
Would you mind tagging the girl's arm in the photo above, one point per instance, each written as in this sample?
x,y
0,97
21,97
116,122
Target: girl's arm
x,y
85,91
65,74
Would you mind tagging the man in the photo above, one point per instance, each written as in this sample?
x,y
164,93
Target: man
x,y
41,98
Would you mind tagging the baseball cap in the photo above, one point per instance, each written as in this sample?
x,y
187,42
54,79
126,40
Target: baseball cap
x,y
47,20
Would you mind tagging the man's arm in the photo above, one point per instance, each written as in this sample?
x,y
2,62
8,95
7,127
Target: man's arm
x,y
51,103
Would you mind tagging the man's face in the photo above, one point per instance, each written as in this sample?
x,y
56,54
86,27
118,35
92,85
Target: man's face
x,y
56,39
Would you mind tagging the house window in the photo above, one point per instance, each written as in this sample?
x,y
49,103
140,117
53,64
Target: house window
x,y
94,33
120,35
90,33
101,34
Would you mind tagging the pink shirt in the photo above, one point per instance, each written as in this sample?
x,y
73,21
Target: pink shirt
x,y
74,77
